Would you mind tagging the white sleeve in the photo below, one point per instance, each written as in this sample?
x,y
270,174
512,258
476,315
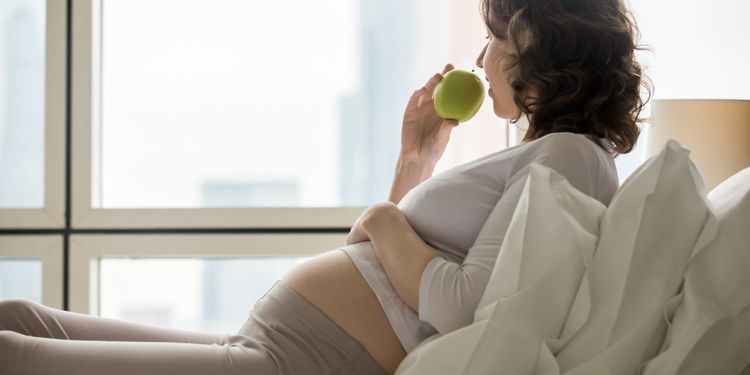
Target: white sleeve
x,y
449,292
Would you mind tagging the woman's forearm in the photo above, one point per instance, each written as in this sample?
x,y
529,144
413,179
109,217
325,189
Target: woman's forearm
x,y
409,173
400,250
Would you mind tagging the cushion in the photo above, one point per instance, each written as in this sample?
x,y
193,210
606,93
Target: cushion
x,y
534,281
710,330
656,220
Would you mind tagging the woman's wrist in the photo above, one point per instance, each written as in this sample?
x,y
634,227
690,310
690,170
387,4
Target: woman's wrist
x,y
409,173
406,161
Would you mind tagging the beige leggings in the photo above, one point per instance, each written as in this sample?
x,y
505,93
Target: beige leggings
x,y
284,334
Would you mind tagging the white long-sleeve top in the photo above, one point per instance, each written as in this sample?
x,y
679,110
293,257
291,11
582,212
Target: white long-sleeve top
x,y
464,213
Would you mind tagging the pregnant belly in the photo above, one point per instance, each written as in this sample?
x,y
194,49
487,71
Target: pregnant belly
x,y
332,283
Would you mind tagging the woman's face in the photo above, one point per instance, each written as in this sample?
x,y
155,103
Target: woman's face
x,y
490,60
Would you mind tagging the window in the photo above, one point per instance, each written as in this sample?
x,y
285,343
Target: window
x,y
22,25
212,279
231,103
21,278
212,295
32,114
194,136
31,267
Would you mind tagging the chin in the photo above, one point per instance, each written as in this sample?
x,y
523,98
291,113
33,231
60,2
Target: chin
x,y
503,114
500,110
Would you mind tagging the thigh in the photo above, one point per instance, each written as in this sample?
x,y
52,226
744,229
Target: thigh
x,y
34,319
21,354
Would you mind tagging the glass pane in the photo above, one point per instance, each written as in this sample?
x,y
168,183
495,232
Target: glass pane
x,y
21,278
294,103
211,295
22,26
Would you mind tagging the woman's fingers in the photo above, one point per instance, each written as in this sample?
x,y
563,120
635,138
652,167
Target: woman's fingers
x,y
432,83
452,123
448,68
425,93
437,77
416,98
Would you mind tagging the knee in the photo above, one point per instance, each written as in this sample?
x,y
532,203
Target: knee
x,y
13,311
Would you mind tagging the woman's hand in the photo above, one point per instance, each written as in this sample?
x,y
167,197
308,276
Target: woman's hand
x,y
424,134
358,233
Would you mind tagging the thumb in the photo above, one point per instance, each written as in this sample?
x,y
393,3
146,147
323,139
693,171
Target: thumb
x,y
452,123
446,127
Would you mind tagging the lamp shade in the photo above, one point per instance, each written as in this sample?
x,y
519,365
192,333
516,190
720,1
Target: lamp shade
x,y
717,133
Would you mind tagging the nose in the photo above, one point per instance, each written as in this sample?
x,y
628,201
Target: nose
x,y
480,58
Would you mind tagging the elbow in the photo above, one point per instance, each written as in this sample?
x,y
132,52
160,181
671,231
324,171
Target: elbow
x,y
456,317
448,315
449,296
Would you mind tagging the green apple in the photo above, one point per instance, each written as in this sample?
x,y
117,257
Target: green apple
x,y
458,95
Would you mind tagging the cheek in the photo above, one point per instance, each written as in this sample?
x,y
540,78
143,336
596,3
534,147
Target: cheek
x,y
489,66
491,69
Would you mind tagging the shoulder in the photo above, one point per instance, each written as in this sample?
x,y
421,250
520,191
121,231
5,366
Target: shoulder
x,y
574,156
565,141
564,147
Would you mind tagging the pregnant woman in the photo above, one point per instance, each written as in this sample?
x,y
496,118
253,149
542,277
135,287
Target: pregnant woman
x,y
415,265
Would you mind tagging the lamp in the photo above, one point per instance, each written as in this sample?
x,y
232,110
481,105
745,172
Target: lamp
x,y
717,133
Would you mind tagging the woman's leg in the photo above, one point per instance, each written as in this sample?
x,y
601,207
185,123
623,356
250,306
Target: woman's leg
x,y
36,339
21,355
33,319
284,334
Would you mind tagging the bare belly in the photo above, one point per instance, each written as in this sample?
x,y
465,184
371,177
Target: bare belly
x,y
332,283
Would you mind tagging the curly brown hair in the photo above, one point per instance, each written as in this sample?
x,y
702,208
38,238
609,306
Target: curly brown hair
x,y
578,57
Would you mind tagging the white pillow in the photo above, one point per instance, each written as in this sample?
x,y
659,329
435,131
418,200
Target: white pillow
x,y
710,331
653,224
533,283
536,276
